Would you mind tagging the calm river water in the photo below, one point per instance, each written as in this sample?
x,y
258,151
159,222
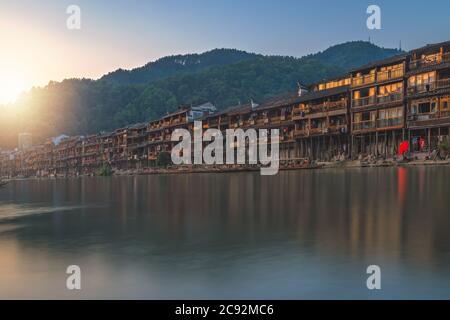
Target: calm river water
x,y
297,235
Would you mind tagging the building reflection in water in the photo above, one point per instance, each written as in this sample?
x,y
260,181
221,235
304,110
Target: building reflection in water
x,y
199,224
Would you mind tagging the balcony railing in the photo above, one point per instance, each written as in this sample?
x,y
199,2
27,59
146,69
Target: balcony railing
x,y
364,102
393,97
275,119
364,125
300,132
430,86
430,61
389,74
336,105
337,127
317,108
386,123
362,80
368,101
297,112
429,115
423,116
445,114
318,130
328,106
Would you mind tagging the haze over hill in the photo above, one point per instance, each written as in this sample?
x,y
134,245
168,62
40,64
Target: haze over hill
x,y
222,76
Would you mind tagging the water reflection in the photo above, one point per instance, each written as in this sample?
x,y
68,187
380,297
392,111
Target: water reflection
x,y
307,234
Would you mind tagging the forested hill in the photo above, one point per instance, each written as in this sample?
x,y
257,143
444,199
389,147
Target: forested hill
x,y
177,65
222,76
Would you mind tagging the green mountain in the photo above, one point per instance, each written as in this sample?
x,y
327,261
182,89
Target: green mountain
x,y
354,54
222,76
177,65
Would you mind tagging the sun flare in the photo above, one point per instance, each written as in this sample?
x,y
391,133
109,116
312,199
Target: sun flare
x,y
12,84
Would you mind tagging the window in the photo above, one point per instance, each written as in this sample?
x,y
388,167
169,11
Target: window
x,y
391,88
393,113
365,116
431,58
433,107
424,78
424,107
445,103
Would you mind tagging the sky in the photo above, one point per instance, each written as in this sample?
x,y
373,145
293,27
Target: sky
x,y
36,46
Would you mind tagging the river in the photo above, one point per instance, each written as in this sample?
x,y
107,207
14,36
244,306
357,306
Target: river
x,y
297,235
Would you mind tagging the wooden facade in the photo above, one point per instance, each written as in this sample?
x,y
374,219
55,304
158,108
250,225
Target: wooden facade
x,y
428,95
321,120
378,107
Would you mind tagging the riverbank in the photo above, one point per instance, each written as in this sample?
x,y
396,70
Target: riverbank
x,y
286,166
346,164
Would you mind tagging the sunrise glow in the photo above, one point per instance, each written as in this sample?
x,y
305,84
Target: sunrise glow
x,y
12,84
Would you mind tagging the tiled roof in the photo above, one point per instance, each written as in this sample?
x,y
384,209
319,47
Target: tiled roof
x,y
312,95
432,46
390,60
279,101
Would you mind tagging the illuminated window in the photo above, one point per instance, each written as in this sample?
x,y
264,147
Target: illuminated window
x,y
445,103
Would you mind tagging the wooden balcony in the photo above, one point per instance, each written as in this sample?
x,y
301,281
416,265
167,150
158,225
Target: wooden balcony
x,y
337,128
428,87
260,121
377,124
363,80
299,114
299,133
389,75
391,98
428,116
373,100
275,119
364,125
286,137
317,108
318,131
364,102
433,60
336,105
389,123
327,106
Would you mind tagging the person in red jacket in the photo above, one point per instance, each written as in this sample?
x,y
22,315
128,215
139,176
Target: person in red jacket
x,y
404,148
